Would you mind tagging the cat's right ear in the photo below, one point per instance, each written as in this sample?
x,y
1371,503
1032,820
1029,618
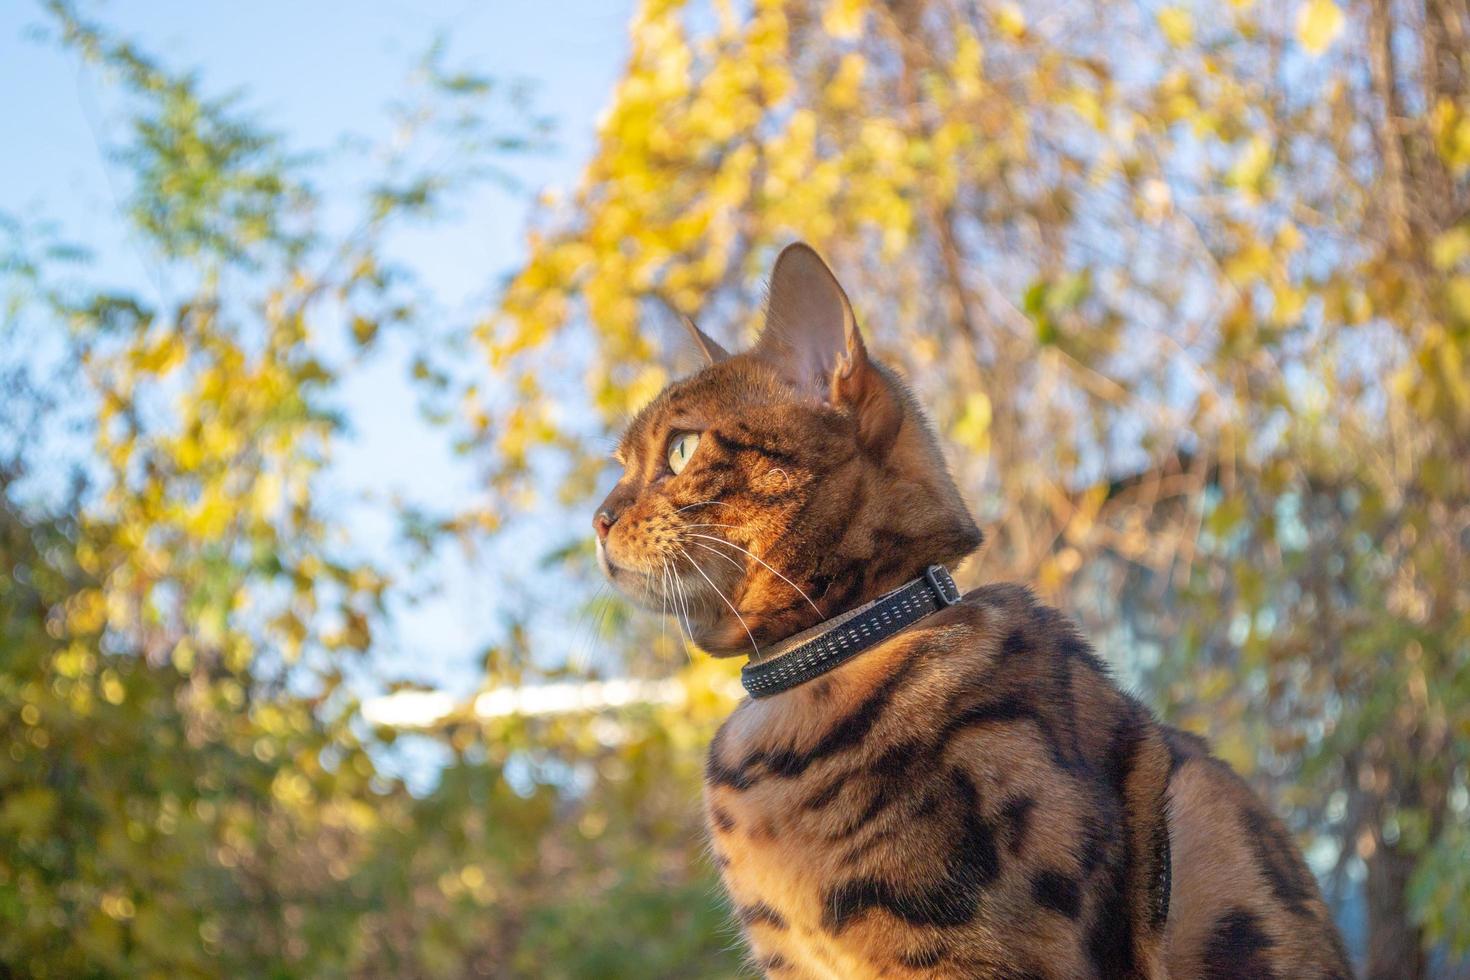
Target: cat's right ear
x,y
712,351
811,337
810,329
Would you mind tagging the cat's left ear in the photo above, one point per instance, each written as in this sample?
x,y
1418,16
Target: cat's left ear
x,y
811,337
708,346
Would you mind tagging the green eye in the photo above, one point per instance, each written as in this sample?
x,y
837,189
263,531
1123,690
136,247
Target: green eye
x,y
680,449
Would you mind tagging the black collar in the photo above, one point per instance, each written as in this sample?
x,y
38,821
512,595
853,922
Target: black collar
x,y
815,651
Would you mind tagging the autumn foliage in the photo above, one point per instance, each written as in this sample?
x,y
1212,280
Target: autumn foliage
x,y
1185,287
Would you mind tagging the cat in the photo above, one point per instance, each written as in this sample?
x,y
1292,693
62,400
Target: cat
x,y
933,786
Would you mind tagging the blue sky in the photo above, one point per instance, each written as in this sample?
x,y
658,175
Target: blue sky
x,y
313,72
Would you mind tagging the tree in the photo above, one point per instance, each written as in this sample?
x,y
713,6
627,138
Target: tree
x,y
189,788
1189,290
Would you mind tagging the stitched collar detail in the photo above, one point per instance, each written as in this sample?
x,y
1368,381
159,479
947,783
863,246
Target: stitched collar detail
x,y
815,651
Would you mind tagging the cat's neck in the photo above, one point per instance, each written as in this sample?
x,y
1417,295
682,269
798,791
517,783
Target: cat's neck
x,y
831,643
811,633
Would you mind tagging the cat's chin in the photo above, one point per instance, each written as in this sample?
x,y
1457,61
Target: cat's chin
x,y
637,587
688,603
632,585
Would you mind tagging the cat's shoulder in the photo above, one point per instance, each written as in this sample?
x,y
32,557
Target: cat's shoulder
x,y
1006,621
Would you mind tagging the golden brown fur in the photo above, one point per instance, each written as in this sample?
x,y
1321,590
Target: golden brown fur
x,y
973,797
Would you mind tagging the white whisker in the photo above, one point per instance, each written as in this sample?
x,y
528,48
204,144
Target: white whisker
x,y
674,601
721,554
588,630
754,646
758,558
663,604
688,626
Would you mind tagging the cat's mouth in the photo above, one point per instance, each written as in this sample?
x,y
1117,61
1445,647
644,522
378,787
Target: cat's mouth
x,y
641,586
670,590
698,597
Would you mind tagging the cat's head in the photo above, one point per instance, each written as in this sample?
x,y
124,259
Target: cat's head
x,y
782,485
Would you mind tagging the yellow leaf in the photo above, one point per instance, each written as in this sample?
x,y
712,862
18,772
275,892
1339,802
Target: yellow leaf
x,y
1457,297
1252,166
973,426
1177,25
86,612
1010,21
1317,25
112,687
1452,246
846,82
844,18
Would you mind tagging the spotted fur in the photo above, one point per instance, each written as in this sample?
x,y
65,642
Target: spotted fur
x,y
973,797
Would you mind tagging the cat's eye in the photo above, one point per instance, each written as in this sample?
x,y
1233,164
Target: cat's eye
x,y
680,449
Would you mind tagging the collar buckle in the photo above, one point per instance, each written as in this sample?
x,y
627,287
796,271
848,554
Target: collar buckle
x,y
938,578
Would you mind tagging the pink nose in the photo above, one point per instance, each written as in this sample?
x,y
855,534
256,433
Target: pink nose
x,y
603,523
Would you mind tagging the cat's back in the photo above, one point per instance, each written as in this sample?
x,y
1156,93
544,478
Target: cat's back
x,y
1244,902
971,798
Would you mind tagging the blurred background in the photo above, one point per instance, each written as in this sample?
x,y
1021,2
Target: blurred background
x,y
317,323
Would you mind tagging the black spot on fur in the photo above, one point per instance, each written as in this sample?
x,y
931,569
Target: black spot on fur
x,y
734,446
853,727
772,963
1074,647
787,763
926,805
1006,709
951,899
1279,863
1015,817
821,585
877,803
1013,645
892,771
719,774
922,959
823,797
1238,948
1060,725
722,819
1058,892
762,914
1110,936
896,761
1117,765
1095,844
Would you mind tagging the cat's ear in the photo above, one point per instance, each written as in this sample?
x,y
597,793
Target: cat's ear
x,y
711,350
811,337
809,324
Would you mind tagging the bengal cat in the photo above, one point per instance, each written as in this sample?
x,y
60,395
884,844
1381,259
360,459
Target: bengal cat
x,y
971,796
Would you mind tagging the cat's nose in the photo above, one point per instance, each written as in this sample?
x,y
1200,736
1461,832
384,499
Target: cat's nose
x,y
611,509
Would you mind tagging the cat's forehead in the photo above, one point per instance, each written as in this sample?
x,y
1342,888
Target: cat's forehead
x,y
699,400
